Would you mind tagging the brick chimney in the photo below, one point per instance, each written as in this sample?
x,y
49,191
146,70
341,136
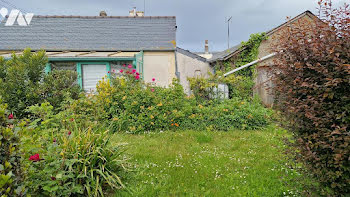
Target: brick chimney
x,y
206,48
103,13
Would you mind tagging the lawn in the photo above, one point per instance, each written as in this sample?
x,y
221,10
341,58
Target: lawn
x,y
203,163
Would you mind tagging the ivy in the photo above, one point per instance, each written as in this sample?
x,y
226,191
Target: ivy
x,y
249,53
242,82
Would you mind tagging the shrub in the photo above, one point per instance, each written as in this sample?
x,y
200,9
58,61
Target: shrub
x,y
11,171
67,160
23,83
136,107
130,105
312,78
59,85
229,115
20,79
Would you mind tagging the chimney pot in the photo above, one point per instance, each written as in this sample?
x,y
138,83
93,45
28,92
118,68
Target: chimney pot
x,y
206,47
103,13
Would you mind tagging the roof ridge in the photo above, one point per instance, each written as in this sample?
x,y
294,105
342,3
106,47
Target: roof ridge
x,y
78,16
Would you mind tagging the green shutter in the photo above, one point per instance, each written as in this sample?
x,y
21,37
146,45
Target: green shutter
x,y
139,63
48,68
80,76
108,65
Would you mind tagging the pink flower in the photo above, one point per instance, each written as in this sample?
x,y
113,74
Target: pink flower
x,y
54,140
137,73
34,158
137,77
152,90
130,66
10,116
114,71
121,71
133,71
153,79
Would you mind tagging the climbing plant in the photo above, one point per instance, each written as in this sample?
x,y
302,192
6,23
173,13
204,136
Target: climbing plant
x,y
242,82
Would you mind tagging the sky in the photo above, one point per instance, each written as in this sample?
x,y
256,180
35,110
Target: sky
x,y
197,20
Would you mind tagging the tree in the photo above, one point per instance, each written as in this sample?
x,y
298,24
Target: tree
x,y
312,88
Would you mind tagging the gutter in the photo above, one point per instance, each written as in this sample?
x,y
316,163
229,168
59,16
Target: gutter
x,y
250,64
177,74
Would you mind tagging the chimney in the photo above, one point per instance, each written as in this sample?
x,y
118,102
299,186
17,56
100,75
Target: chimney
x,y
206,47
132,12
139,13
103,13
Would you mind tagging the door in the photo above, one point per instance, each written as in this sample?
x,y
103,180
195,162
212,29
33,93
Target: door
x,y
92,74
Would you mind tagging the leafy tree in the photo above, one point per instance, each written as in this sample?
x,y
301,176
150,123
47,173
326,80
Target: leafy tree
x,y
312,77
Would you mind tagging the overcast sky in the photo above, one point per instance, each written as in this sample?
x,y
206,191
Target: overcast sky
x,y
197,20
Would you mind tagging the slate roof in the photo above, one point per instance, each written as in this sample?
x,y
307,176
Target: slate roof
x,y
91,33
190,54
224,55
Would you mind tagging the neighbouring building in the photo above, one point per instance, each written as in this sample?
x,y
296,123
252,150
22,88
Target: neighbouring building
x,y
94,46
263,82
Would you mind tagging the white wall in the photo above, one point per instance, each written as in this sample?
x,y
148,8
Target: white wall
x,y
159,65
191,67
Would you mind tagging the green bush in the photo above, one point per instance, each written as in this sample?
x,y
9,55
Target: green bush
x,y
23,83
127,104
20,80
229,115
11,171
59,85
66,160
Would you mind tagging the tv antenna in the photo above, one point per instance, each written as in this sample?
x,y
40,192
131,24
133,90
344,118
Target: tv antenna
x,y
228,31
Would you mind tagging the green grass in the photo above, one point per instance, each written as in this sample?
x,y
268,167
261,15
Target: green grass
x,y
198,163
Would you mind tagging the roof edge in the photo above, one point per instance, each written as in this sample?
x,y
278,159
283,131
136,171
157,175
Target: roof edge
x,y
190,54
306,13
99,17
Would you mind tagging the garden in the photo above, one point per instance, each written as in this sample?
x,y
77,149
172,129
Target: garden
x,y
133,138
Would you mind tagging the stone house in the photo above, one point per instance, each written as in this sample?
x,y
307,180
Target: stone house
x,y
263,81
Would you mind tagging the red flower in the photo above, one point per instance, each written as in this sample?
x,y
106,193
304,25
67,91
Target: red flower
x,y
72,119
109,72
34,158
137,77
133,71
137,73
10,116
152,90
53,178
153,79
121,71
130,66
69,132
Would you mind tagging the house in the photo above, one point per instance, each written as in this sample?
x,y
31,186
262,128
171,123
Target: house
x,y
94,46
263,81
